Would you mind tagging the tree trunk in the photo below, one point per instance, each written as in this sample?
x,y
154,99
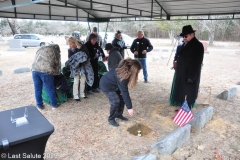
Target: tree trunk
x,y
211,38
171,36
12,25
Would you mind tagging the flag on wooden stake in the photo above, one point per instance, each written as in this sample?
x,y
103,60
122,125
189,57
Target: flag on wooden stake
x,y
184,115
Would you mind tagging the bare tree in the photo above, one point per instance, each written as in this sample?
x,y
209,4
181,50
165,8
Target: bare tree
x,y
236,28
173,27
211,26
13,25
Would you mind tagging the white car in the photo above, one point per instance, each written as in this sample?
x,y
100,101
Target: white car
x,y
111,35
33,40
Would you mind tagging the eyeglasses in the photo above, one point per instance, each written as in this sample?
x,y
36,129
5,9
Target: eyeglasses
x,y
185,36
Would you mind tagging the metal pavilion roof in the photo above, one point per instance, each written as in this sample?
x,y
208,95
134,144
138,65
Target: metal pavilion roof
x,y
107,10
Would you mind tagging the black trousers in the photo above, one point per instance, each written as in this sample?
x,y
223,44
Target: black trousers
x,y
117,104
95,85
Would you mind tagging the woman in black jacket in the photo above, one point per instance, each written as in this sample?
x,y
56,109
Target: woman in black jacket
x,y
94,52
114,85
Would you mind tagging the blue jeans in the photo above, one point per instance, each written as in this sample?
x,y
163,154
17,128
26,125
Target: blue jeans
x,y
144,68
43,79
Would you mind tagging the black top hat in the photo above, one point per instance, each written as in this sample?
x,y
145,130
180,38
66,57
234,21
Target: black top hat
x,y
186,30
108,46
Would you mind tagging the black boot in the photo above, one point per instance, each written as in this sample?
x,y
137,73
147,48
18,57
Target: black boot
x,y
113,122
122,118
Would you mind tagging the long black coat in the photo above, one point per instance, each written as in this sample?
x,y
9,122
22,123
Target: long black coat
x,y
189,61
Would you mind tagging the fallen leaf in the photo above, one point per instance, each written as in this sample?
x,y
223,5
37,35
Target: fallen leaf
x,y
200,147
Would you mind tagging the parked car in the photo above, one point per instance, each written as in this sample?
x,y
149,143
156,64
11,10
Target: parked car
x,y
33,40
111,35
75,34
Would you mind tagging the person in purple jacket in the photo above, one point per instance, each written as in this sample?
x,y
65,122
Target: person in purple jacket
x,y
114,85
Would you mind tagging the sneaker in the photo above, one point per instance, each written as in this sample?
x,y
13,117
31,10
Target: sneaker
x,y
145,81
122,118
113,123
41,108
96,90
78,100
84,97
53,108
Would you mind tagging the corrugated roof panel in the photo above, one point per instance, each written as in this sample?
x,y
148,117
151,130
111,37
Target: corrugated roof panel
x,y
57,18
82,19
8,10
25,16
7,15
82,13
42,17
119,9
5,3
70,19
101,7
135,12
84,4
33,9
122,3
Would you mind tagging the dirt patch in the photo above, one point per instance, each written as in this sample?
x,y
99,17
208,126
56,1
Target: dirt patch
x,y
139,129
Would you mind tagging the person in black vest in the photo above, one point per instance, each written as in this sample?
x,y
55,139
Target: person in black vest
x,y
139,48
114,85
188,62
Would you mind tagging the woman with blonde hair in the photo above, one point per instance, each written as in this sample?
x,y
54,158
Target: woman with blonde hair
x,y
114,85
80,67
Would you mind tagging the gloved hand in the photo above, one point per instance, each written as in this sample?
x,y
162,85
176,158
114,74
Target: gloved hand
x,y
189,81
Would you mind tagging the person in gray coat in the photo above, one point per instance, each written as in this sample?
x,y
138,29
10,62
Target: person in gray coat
x,y
119,42
114,55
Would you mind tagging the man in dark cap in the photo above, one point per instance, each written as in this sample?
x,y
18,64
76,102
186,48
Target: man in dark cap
x,y
188,59
114,55
99,38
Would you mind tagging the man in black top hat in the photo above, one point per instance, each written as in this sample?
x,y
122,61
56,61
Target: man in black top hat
x,y
188,69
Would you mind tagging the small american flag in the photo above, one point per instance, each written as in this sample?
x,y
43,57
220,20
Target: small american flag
x,y
184,115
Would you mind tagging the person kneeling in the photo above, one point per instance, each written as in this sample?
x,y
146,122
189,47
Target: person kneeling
x,y
114,85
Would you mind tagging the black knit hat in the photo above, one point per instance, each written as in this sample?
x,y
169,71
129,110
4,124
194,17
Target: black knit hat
x,y
118,32
108,46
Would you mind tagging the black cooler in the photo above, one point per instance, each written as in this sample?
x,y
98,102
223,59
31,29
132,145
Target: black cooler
x,y
26,141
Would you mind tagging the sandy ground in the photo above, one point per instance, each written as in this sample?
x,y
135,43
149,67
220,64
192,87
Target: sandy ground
x,y
82,131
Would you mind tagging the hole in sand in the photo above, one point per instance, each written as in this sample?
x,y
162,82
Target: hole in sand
x,y
144,130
